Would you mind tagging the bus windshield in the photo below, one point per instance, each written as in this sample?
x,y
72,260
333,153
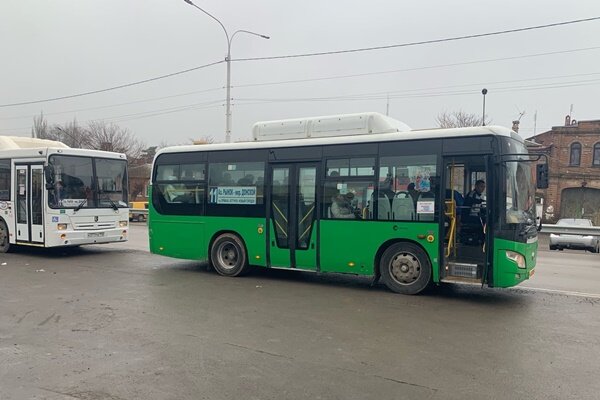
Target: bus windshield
x,y
86,182
520,193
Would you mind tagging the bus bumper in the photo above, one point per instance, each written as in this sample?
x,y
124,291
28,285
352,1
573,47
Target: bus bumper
x,y
78,238
507,271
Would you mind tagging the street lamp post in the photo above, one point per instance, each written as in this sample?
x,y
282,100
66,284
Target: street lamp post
x,y
483,92
228,61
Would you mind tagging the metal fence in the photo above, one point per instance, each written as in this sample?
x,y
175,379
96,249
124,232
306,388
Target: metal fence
x,y
571,230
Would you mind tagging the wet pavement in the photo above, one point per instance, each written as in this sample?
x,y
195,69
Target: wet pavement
x,y
114,322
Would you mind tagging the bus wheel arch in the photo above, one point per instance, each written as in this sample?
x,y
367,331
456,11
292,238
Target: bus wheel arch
x,y
404,266
4,236
228,254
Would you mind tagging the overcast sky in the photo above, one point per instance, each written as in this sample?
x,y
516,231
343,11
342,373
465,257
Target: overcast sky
x,y
64,47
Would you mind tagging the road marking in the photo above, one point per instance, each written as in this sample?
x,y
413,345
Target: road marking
x,y
565,292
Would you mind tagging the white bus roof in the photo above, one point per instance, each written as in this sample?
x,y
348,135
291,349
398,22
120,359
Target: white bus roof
x,y
23,142
45,151
380,137
326,126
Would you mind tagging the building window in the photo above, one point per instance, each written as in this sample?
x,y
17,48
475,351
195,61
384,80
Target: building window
x,y
575,154
596,158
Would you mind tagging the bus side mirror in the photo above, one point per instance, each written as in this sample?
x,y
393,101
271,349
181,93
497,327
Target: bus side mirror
x,y
49,175
542,176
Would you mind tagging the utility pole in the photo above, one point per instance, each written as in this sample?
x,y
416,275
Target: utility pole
x,y
387,107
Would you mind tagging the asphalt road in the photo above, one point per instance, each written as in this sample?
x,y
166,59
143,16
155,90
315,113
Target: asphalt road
x,y
115,322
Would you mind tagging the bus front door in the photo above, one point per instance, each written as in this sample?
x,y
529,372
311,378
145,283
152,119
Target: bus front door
x,y
29,203
292,210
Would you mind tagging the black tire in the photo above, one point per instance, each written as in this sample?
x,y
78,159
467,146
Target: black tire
x,y
228,255
141,218
405,268
4,242
552,247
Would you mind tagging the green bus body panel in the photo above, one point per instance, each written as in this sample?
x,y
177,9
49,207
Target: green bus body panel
x,y
506,272
346,246
279,257
188,237
307,258
347,242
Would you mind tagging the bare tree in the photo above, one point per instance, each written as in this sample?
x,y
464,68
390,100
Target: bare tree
x,y
458,119
72,134
111,137
40,127
98,135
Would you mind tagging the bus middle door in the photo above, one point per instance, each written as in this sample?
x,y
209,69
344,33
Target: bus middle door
x,y
292,211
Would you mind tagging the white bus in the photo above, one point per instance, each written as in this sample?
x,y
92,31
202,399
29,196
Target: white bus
x,y
52,195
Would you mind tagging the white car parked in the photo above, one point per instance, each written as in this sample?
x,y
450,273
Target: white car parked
x,y
568,241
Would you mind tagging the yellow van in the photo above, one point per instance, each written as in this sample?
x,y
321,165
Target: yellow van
x,y
135,206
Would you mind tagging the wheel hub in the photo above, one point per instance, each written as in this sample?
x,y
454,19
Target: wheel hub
x,y
405,268
227,255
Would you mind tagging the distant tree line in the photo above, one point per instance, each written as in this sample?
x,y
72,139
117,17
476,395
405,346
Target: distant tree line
x,y
97,135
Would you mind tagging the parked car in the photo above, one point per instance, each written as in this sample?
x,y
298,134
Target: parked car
x,y
569,241
137,216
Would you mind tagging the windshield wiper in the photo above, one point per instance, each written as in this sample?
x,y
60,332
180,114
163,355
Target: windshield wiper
x,y
107,197
80,205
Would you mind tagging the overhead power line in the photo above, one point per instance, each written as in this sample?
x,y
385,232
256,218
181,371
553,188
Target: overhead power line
x,y
422,42
306,55
423,92
112,88
316,79
114,105
488,60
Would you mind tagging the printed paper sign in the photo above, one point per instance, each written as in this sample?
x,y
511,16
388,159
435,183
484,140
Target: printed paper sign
x,y
425,207
233,195
70,202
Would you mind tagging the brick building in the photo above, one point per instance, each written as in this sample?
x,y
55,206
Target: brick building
x,y
139,178
573,152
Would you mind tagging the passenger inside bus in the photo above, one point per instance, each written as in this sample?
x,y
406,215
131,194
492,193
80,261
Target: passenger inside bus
x,y
341,206
414,193
473,217
386,187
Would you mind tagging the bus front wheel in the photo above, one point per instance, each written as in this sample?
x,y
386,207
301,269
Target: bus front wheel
x,y
228,255
4,242
405,268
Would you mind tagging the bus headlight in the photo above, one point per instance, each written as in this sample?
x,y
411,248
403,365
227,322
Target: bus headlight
x,y
517,258
123,224
61,227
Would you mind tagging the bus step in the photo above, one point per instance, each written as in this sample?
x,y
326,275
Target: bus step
x,y
460,279
463,270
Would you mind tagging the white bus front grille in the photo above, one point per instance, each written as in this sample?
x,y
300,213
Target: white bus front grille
x,y
94,225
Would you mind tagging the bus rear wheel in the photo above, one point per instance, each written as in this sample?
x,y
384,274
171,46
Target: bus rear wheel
x,y
228,255
405,268
4,242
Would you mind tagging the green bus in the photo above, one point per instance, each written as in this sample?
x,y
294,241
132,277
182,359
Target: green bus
x,y
356,194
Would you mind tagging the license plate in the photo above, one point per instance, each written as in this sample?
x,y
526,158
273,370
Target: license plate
x,y
95,234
